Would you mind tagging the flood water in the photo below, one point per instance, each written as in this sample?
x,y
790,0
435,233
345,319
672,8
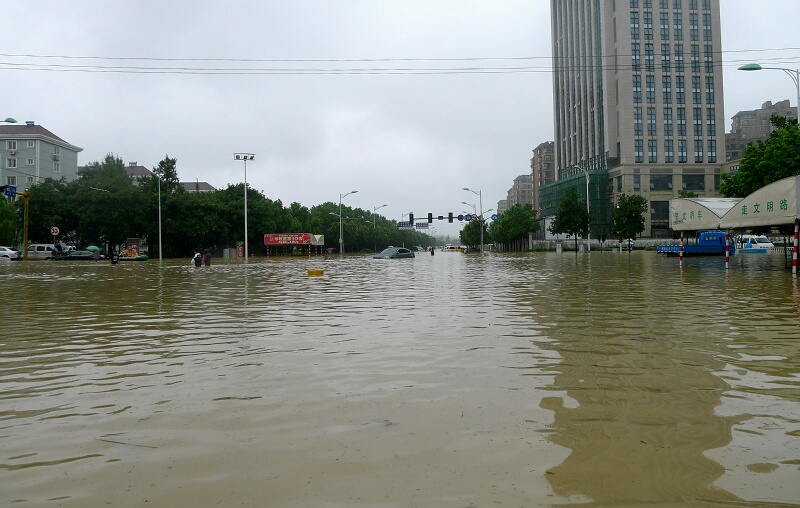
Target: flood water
x,y
451,380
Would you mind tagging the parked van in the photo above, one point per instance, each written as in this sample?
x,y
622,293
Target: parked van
x,y
41,251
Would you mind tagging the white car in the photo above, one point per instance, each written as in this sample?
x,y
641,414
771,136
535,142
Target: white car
x,y
9,253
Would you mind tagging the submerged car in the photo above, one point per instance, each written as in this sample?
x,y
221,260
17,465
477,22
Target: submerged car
x,y
9,253
394,253
79,255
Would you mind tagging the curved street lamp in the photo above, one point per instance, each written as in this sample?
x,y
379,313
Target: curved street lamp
x,y
341,231
794,74
588,229
374,242
480,201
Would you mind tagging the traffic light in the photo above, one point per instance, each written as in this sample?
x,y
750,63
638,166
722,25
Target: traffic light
x,y
450,217
430,217
411,218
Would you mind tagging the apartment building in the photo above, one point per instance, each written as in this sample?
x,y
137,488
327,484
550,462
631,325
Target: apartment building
x,y
753,126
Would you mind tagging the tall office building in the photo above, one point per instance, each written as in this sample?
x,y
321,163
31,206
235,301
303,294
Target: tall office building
x,y
637,90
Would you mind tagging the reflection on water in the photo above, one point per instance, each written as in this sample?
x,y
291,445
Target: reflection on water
x,y
452,380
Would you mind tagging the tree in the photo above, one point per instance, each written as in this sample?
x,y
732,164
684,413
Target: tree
x,y
571,217
9,223
765,162
515,225
627,218
686,194
471,234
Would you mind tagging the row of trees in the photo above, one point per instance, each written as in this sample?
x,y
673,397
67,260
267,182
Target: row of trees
x,y
105,206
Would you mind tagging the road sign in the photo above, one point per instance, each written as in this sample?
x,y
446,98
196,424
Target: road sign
x,y
469,217
10,190
54,230
494,216
461,217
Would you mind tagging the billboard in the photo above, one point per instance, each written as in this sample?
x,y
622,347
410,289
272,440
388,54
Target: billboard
x,y
287,239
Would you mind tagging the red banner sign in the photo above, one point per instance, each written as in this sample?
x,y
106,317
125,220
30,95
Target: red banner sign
x,y
287,239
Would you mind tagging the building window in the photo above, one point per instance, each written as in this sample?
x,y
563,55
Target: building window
x,y
693,182
661,182
694,33
29,179
682,150
679,57
698,150
31,162
668,121
648,4
11,180
637,182
717,180
638,150
636,56
634,4
676,4
707,27
651,89
637,121
696,94
697,118
665,64
11,144
11,162
712,150
668,155
31,144
619,183
708,58
664,20
681,121
680,90
666,87
56,150
709,89
634,25
695,58
651,121
649,57
693,5
637,89
711,124
648,26
677,22
56,167
652,150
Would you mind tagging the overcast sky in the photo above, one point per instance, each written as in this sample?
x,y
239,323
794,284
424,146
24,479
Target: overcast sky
x,y
330,96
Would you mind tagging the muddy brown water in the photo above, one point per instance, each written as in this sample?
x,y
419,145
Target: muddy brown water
x,y
444,381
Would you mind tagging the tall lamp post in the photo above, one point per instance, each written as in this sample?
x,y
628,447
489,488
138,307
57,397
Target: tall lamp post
x,y
245,157
480,201
160,257
795,75
588,229
374,241
341,230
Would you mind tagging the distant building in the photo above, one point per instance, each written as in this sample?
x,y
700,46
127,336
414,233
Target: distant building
x,y
753,126
30,153
136,171
502,206
543,169
198,187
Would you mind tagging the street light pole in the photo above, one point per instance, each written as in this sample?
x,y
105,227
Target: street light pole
x,y
480,202
245,157
341,230
374,241
588,228
160,256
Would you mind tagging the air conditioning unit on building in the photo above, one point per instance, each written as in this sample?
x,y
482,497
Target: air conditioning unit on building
x,y
55,157
12,152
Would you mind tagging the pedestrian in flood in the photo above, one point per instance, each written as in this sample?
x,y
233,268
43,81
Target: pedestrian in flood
x,y
207,257
433,250
197,259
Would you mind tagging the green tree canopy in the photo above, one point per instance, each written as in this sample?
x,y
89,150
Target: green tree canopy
x,y
765,162
571,217
515,225
627,218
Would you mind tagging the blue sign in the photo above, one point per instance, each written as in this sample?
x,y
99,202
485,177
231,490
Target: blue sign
x,y
460,216
422,225
10,191
494,216
469,217
405,225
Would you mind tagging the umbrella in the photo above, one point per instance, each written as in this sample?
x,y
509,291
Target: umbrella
x,y
93,248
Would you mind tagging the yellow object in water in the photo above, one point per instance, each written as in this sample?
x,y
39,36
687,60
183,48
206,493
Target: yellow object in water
x,y
315,273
